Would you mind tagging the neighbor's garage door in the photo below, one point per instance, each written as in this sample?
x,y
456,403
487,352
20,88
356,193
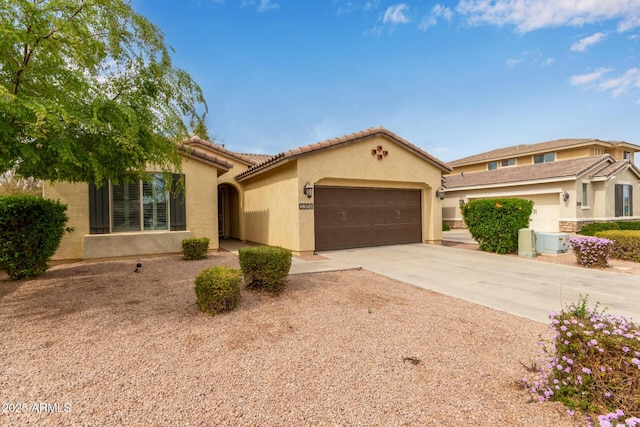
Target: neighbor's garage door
x,y
357,217
546,212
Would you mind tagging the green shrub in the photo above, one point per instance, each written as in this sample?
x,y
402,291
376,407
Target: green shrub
x,y
195,248
592,229
31,229
445,226
218,289
592,365
494,223
626,243
265,267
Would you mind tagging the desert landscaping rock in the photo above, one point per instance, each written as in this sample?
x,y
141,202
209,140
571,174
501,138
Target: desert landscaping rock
x,y
121,348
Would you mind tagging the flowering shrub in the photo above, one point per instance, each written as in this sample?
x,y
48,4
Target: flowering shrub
x,y
592,251
592,366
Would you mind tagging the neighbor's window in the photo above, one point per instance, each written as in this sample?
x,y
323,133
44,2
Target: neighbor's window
x,y
624,200
508,162
585,192
492,166
137,206
544,158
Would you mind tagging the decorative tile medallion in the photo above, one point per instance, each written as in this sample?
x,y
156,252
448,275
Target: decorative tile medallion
x,y
379,152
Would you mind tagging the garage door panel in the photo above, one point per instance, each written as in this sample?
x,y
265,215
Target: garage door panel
x,y
360,217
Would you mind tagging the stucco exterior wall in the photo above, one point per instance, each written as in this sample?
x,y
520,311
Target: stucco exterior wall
x,y
271,208
202,201
201,210
76,197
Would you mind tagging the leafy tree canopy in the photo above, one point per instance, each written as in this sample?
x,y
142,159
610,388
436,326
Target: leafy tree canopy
x,y
88,92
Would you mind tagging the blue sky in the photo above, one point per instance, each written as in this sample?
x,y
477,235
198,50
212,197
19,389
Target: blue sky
x,y
455,78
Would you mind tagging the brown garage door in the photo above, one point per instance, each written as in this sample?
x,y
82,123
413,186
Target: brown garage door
x,y
348,217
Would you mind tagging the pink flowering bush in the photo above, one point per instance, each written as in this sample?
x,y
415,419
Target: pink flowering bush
x,y
592,366
592,251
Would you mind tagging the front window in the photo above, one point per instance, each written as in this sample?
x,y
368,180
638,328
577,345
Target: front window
x,y
492,166
626,155
138,206
585,192
508,162
155,196
544,158
624,200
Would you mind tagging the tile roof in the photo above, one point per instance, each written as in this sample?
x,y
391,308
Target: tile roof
x,y
522,149
534,172
206,157
247,159
257,158
346,139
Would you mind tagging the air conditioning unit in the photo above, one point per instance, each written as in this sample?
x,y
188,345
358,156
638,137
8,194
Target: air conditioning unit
x,y
552,243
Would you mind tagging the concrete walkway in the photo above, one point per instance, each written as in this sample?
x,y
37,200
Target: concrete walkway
x,y
520,286
524,287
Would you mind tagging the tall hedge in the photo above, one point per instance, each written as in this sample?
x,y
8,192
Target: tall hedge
x,y
31,229
494,223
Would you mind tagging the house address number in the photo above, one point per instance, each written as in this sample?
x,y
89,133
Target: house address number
x,y
306,206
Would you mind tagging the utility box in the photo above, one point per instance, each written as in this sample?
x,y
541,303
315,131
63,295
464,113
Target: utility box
x,y
526,245
552,243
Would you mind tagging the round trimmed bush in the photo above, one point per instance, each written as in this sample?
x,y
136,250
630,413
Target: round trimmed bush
x,y
218,289
265,267
195,248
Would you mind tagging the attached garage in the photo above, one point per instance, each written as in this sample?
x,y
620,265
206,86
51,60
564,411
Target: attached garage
x,y
369,188
347,217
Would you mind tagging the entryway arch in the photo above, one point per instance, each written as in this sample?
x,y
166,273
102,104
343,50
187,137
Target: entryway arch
x,y
228,212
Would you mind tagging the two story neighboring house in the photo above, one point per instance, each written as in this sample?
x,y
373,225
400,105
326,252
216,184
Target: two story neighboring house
x,y
572,182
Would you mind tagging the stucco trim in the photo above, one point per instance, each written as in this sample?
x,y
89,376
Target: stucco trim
x,y
117,245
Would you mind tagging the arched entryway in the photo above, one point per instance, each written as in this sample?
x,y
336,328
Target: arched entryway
x,y
228,212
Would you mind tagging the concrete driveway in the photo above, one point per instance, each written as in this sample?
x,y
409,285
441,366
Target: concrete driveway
x,y
520,286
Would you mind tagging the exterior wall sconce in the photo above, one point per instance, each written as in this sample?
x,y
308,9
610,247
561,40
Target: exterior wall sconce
x,y
440,193
308,190
461,201
565,196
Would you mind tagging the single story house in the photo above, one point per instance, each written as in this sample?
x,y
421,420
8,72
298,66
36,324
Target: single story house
x,y
363,189
567,194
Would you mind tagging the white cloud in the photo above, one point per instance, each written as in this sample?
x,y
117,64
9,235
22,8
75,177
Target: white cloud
x,y
442,11
583,44
585,79
629,80
431,20
513,62
267,5
548,62
376,31
396,14
530,15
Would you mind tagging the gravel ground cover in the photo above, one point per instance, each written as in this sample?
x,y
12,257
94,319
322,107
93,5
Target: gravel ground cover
x,y
97,345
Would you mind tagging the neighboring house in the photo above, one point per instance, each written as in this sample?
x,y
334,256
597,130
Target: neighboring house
x,y
543,152
364,189
572,182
